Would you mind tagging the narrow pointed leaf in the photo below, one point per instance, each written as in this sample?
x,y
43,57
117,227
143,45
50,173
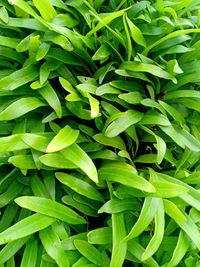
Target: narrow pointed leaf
x,y
158,233
25,227
124,174
118,233
147,214
20,107
79,186
52,245
88,251
124,121
50,208
65,137
78,157
19,78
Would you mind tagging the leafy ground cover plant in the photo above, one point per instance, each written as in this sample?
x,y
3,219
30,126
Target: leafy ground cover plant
x,y
99,133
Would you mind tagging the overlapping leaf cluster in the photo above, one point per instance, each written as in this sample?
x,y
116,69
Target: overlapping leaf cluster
x,y
99,133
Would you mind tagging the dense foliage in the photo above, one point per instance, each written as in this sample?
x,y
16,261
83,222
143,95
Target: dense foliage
x,y
99,133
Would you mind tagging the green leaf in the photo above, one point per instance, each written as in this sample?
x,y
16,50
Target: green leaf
x,y
45,8
124,121
64,138
36,141
136,34
179,251
100,236
9,42
190,228
49,94
20,107
124,174
116,205
23,162
157,238
30,254
57,160
88,251
137,251
149,68
78,157
177,116
168,37
50,208
155,119
102,52
79,186
182,93
118,233
52,245
19,78
132,97
173,211
4,15
149,209
115,141
146,158
189,140
11,249
105,21
25,227
168,190
12,191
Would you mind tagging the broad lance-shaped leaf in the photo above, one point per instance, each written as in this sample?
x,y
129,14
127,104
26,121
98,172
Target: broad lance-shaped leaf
x,y
11,249
37,141
52,245
57,161
12,191
173,211
137,251
52,99
118,247
147,214
21,107
30,254
168,37
116,141
79,186
100,236
12,143
168,190
125,174
65,137
157,238
136,34
78,157
116,205
188,226
94,105
23,162
188,139
89,251
46,9
25,227
19,78
9,42
50,208
106,20
160,146
182,94
149,68
124,121
179,251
